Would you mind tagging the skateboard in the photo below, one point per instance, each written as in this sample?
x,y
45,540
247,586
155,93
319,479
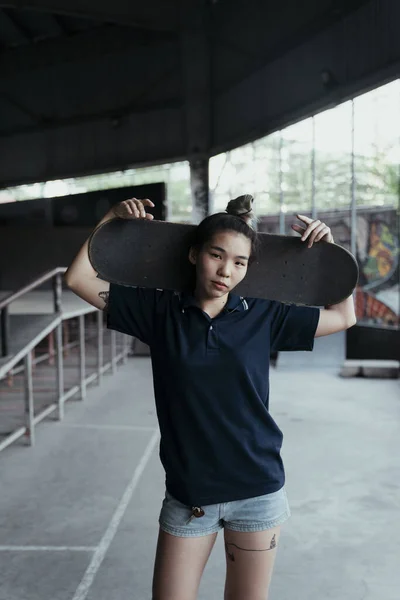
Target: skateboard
x,y
154,254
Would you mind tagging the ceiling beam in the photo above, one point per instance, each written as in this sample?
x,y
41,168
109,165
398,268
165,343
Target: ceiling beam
x,y
56,25
313,26
37,119
152,14
116,118
79,47
13,27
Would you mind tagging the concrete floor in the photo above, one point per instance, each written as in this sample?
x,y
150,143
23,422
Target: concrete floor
x,y
79,511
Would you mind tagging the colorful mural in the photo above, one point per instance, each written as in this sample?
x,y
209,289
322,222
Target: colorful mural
x,y
372,310
383,253
377,297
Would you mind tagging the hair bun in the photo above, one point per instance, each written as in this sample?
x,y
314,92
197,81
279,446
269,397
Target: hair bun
x,y
241,207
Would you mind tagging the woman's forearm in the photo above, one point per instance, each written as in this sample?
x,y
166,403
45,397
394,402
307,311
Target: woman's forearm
x,y
346,309
81,266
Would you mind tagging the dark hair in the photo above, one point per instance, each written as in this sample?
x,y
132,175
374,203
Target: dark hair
x,y
238,217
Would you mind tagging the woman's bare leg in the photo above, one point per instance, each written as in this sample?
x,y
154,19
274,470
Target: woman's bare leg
x,y
179,565
250,559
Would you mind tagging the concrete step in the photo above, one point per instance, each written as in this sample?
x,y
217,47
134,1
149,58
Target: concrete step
x,y
385,369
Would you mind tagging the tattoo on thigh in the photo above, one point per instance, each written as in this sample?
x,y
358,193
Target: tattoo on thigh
x,y
104,296
232,556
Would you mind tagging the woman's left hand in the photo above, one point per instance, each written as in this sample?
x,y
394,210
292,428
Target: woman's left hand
x,y
315,230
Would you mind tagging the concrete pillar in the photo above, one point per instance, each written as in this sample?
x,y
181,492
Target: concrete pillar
x,y
200,189
196,74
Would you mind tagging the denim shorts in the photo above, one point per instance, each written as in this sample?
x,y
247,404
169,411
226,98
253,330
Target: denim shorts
x,y
252,514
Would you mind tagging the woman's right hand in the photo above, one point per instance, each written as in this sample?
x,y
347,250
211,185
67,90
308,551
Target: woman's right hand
x,y
133,209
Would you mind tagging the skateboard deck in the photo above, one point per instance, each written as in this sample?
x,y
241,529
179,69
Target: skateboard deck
x,y
154,254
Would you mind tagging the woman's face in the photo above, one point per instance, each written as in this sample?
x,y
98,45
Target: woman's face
x,y
224,259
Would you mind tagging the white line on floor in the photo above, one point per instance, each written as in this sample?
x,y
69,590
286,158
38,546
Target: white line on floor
x,y
116,427
97,559
48,548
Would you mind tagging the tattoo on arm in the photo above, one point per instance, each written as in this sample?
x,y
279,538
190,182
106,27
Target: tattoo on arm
x,y
105,296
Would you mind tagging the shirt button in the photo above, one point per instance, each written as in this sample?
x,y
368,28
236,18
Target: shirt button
x,y
211,327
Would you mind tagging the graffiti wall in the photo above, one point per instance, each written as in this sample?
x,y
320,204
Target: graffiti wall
x,y
378,292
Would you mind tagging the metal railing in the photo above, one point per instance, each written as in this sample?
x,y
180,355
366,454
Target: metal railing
x,y
55,275
25,355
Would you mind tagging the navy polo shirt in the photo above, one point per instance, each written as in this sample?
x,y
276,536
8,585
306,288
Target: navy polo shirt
x,y
219,442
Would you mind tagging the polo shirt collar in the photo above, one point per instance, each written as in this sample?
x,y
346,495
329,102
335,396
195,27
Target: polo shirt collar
x,y
234,303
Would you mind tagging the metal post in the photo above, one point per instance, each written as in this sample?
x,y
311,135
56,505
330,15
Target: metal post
x,y
99,346
313,204
398,223
5,330
82,369
29,408
281,198
113,352
60,372
57,292
196,71
124,349
353,188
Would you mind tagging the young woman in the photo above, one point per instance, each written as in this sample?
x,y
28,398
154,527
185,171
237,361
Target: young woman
x,y
220,447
